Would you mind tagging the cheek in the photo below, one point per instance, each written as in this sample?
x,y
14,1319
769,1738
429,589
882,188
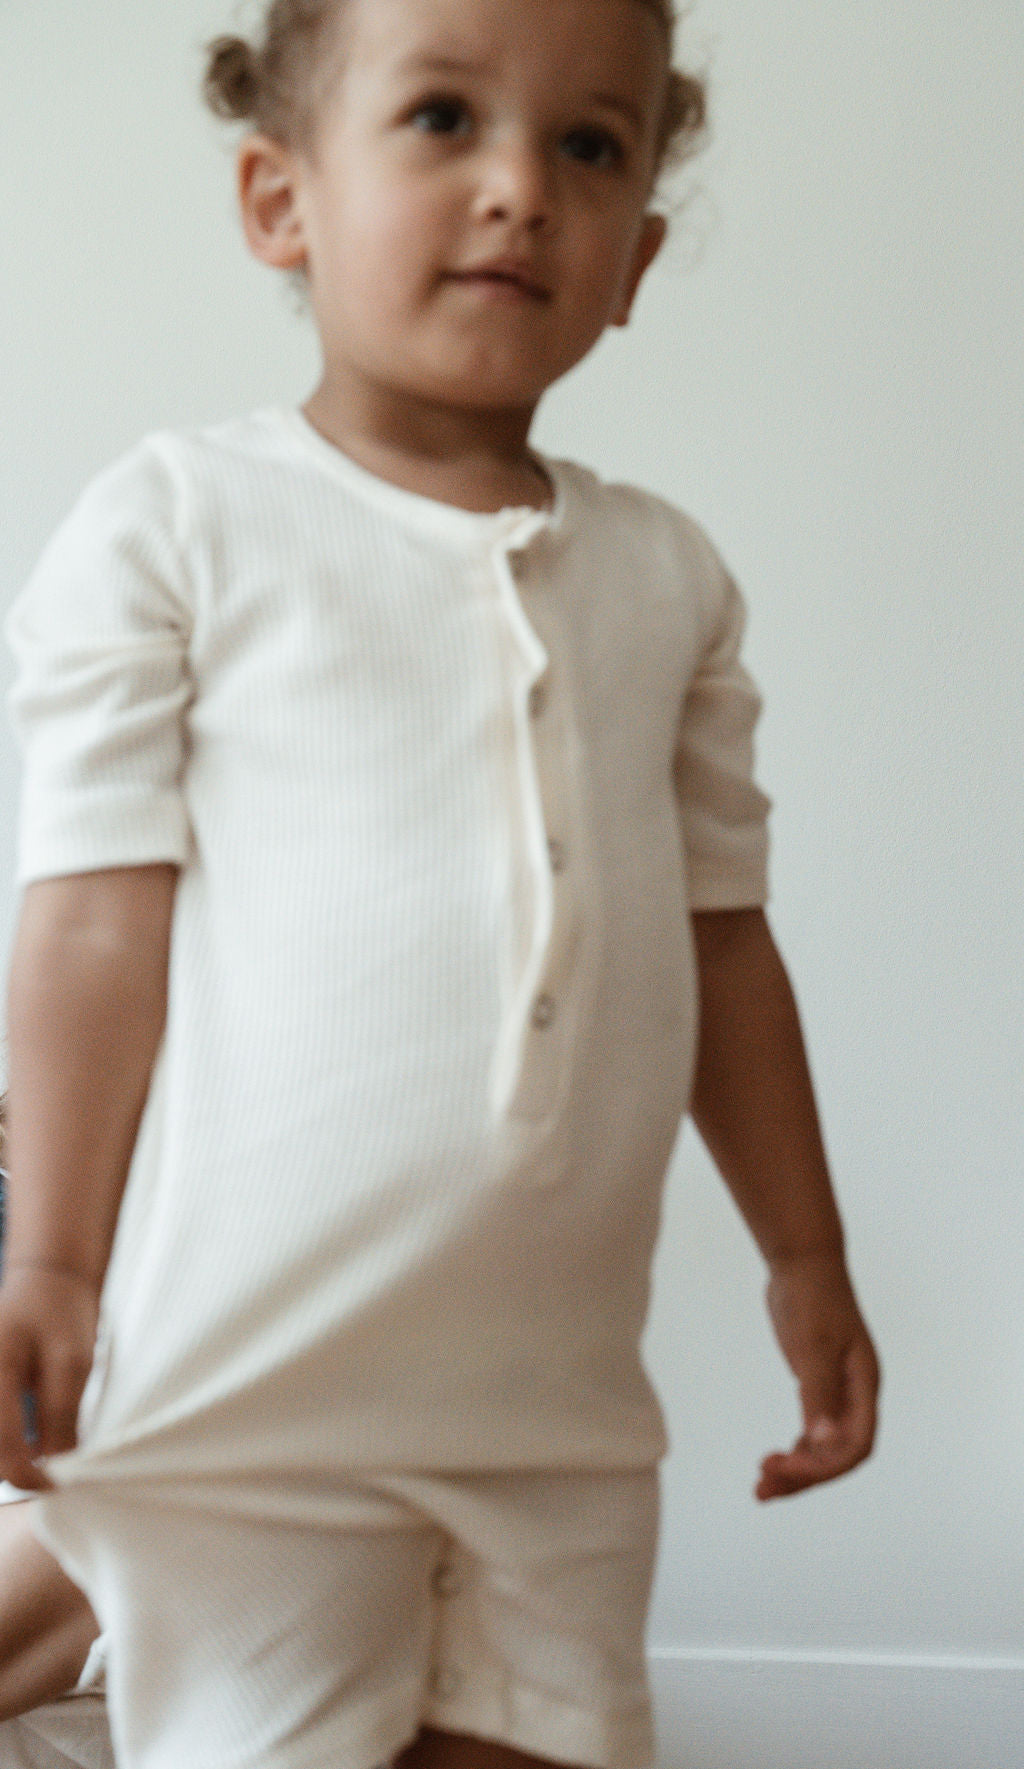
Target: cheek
x,y
603,262
395,235
392,199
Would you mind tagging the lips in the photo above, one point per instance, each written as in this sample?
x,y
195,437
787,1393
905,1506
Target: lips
x,y
504,273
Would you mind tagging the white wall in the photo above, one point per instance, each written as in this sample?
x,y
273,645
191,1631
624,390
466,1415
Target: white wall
x,y
836,388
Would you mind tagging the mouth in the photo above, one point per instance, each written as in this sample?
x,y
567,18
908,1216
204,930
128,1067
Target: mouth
x,y
504,277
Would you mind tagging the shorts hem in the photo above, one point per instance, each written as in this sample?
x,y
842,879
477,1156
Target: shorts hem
x,y
370,1745
542,1726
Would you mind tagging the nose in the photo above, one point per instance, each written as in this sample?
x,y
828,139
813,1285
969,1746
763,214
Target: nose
x,y
517,186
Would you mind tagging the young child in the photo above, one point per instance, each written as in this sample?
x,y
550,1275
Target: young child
x,y
388,810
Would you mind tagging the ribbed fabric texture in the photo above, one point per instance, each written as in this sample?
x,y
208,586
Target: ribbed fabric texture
x,y
443,788
63,1735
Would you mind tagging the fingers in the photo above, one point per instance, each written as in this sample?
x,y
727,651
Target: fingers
x,y
863,1384
58,1394
824,1339
833,1443
47,1337
811,1462
17,1438
823,1390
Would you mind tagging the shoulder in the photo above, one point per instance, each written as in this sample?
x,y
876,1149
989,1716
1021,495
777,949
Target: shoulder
x,y
654,521
163,477
669,545
141,522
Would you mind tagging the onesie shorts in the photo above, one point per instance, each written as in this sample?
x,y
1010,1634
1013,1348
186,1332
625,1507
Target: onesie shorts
x,y
507,1606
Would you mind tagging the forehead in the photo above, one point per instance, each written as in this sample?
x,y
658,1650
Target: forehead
x,y
619,45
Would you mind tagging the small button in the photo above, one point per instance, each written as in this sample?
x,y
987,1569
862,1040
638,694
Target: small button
x,y
447,1581
544,1012
558,856
445,1683
538,700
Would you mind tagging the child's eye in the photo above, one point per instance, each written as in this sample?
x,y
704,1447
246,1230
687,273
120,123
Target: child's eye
x,y
442,116
593,147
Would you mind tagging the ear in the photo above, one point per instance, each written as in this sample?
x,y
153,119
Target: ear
x,y
268,197
651,240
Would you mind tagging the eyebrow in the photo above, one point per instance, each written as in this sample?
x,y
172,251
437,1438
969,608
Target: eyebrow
x,y
614,101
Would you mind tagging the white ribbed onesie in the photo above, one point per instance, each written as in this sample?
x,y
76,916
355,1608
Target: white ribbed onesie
x,y
443,788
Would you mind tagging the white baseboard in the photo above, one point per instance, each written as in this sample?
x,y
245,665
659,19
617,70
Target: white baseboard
x,y
791,1710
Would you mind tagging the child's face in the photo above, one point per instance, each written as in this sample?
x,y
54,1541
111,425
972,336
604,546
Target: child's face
x,y
473,214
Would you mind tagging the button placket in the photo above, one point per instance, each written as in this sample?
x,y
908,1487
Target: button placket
x,y
536,1036
447,1580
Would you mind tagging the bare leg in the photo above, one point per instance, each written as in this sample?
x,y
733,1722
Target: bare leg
x,y
456,1750
46,1624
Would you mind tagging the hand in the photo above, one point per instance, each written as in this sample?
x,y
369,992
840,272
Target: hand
x,y
827,1345
48,1321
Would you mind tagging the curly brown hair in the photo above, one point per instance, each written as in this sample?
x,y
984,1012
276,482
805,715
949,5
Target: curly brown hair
x,y
278,85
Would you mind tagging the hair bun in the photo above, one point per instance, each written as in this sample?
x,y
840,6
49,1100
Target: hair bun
x,y
232,83
685,118
690,102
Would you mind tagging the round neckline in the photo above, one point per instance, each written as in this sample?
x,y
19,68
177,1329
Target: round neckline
x,y
417,508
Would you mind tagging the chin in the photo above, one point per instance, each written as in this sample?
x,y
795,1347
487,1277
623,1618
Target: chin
x,y
490,386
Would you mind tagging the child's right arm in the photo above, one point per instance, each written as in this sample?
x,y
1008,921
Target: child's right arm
x,y
88,995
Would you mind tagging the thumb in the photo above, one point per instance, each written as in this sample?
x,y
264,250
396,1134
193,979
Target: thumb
x,y
823,1395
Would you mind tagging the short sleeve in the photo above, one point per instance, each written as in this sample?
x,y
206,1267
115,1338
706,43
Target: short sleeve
x,y
724,813
100,637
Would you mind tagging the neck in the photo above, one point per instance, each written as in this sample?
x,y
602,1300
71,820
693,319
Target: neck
x,y
476,459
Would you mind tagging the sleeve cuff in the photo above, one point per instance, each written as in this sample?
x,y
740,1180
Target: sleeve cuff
x,y
94,832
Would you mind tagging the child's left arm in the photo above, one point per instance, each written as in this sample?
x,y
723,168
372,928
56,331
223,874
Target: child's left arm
x,y
753,1104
